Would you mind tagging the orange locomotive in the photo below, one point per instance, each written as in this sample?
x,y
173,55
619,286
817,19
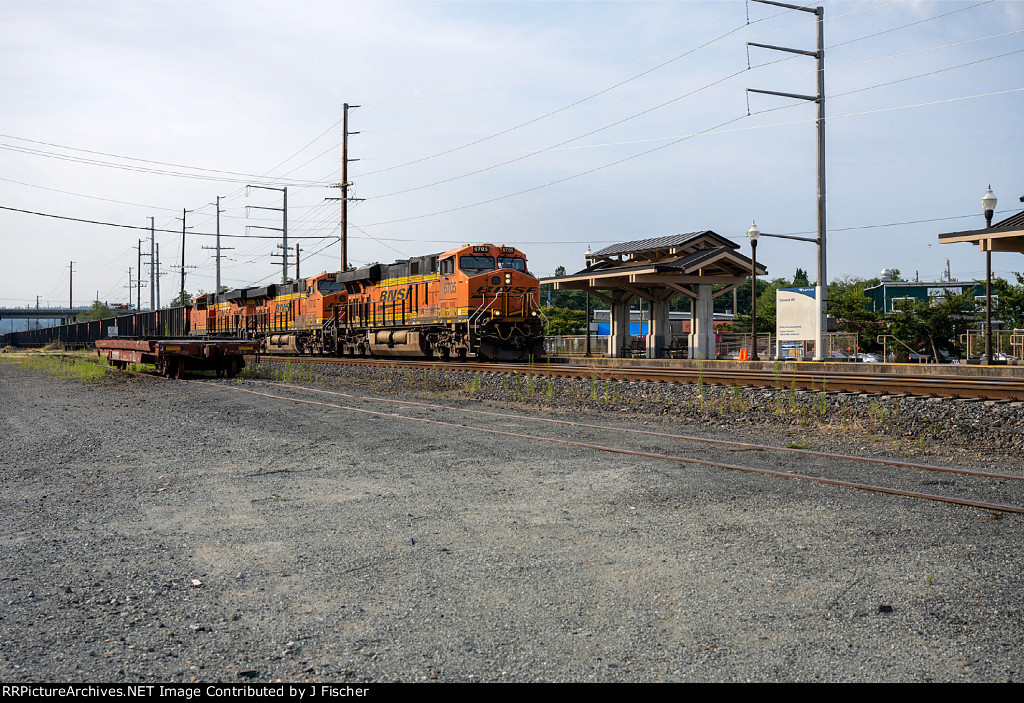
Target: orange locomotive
x,y
474,301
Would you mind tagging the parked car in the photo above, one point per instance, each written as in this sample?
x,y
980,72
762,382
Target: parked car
x,y
870,358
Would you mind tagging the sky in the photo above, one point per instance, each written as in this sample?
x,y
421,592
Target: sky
x,y
550,126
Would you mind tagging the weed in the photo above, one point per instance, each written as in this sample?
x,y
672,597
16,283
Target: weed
x,y
797,445
876,413
822,399
62,367
700,382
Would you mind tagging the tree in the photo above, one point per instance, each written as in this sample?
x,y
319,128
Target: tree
x,y
98,311
565,320
800,279
933,324
848,304
177,302
1008,302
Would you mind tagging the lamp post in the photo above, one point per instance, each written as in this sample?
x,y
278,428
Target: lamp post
x,y
988,204
586,258
753,233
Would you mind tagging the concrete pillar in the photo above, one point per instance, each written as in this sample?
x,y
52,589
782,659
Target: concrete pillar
x,y
619,332
659,335
702,326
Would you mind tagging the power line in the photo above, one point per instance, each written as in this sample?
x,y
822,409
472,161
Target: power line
x,y
148,229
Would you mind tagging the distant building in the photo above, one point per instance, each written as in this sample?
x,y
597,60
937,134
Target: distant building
x,y
887,295
679,322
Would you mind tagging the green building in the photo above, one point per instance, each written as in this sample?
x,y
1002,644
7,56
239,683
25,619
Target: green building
x,y
886,296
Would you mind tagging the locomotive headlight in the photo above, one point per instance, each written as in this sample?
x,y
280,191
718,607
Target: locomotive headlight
x,y
496,313
534,313
508,278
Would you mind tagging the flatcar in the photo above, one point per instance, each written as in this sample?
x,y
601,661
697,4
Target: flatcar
x,y
475,301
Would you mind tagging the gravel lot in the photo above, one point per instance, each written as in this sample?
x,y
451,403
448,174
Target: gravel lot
x,y
171,531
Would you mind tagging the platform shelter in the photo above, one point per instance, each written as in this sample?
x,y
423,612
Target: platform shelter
x,y
660,270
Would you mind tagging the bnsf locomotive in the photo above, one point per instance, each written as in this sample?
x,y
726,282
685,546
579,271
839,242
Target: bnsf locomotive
x,y
475,301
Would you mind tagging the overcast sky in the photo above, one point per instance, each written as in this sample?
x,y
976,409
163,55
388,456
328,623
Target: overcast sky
x,y
546,125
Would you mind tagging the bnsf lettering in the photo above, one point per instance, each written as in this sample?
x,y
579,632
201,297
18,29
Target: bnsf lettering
x,y
487,290
395,295
448,288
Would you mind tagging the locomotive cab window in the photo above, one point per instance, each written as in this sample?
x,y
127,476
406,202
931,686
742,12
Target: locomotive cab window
x,y
512,262
326,287
447,267
476,264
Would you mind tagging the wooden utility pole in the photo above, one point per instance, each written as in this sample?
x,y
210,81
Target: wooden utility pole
x,y
344,185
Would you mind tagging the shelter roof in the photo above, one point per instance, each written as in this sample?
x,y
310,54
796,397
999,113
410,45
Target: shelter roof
x,y
1005,235
677,260
659,247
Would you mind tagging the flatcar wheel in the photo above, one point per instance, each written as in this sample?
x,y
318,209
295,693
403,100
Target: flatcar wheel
x,y
174,367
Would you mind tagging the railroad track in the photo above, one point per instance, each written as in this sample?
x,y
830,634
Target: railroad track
x,y
986,490
818,379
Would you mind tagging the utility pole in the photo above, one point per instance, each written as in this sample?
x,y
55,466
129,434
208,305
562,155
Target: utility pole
x,y
152,265
71,297
138,282
218,255
344,185
280,247
157,276
283,228
821,289
181,298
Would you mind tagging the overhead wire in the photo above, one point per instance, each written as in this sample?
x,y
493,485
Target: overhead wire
x,y
676,139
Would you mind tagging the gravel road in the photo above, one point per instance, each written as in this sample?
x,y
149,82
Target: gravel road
x,y
172,531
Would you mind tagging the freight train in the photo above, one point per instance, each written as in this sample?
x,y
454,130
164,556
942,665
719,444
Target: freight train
x,y
476,301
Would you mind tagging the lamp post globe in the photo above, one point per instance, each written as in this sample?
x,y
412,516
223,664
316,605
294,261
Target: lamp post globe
x,y
988,205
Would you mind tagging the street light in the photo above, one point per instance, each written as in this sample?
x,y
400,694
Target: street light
x,y
587,259
988,204
753,233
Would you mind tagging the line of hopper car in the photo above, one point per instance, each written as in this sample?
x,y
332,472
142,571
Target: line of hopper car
x,y
476,301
